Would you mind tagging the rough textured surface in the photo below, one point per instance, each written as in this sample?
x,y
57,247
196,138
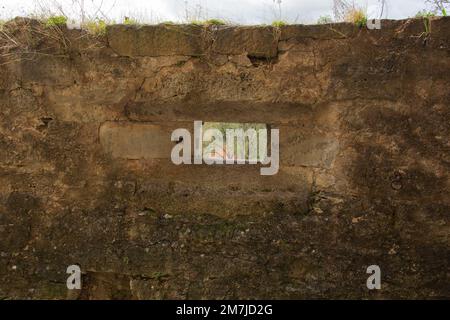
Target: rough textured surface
x,y
160,40
364,174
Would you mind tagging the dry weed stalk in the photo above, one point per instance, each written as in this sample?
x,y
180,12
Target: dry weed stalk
x,y
27,39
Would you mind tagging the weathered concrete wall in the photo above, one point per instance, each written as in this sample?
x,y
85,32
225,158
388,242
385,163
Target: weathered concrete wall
x,y
86,178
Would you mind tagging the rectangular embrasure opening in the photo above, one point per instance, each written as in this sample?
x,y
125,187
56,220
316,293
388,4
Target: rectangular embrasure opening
x,y
232,142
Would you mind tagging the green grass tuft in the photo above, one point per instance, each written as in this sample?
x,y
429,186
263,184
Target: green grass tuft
x,y
210,22
425,14
279,23
96,27
215,22
356,16
130,21
197,22
55,21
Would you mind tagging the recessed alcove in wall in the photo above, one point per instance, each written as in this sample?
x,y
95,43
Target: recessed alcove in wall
x,y
233,142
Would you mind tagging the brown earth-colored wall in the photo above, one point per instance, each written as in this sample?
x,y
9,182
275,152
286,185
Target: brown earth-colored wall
x,y
86,176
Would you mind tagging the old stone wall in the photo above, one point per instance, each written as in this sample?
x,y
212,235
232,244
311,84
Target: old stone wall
x,y
86,176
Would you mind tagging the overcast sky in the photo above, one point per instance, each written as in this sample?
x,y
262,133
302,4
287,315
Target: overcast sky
x,y
237,11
